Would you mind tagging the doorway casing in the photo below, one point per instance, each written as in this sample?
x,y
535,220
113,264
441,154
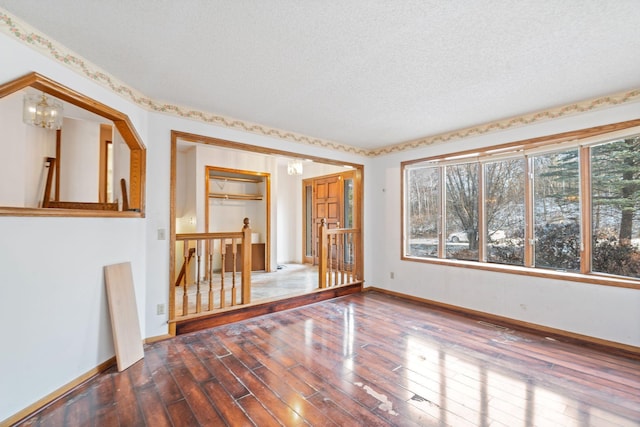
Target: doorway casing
x,y
177,136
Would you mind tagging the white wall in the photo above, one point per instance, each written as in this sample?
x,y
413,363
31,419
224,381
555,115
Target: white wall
x,y
289,217
80,147
604,312
53,304
38,145
24,149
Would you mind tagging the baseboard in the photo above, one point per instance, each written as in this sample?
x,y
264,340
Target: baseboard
x,y
60,392
157,338
558,334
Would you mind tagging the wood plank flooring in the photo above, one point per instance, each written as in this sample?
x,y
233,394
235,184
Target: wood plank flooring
x,y
360,360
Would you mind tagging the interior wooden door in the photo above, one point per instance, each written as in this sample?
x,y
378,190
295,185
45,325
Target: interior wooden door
x,y
327,204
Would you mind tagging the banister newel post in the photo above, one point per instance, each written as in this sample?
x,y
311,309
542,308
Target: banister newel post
x,y
322,254
246,262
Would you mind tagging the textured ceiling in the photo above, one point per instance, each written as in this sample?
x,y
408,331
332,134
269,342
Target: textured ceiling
x,y
363,73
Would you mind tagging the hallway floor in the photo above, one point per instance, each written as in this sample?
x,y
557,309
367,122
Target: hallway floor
x,y
288,280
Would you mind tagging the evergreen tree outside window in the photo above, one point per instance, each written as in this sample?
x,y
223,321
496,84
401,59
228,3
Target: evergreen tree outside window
x,y
556,207
615,211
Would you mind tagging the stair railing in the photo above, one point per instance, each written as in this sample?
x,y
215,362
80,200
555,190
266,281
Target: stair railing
x,y
211,251
338,256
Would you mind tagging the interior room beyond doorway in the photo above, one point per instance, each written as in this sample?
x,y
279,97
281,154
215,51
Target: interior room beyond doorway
x,y
217,183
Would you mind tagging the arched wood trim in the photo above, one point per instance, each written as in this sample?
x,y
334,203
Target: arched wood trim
x,y
137,166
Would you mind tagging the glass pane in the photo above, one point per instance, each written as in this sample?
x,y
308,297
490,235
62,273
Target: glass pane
x,y
348,203
615,198
462,211
556,195
308,232
348,244
422,199
504,211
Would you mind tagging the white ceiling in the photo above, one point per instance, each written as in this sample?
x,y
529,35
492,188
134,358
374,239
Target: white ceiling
x,y
365,73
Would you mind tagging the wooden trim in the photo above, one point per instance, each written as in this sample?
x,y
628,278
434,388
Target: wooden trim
x,y
235,314
235,196
442,210
137,159
529,218
84,206
232,178
482,224
322,254
201,139
585,210
559,334
532,143
246,264
137,179
58,393
56,196
9,211
47,187
172,233
106,137
592,278
157,338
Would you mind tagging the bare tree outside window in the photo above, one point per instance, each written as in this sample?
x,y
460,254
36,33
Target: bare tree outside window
x,y
504,211
462,211
423,186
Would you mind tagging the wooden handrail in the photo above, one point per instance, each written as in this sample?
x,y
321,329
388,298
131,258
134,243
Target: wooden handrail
x,y
125,197
47,188
209,249
339,256
184,266
92,206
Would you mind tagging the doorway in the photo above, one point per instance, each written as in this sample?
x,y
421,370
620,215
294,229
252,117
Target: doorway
x,y
190,154
330,198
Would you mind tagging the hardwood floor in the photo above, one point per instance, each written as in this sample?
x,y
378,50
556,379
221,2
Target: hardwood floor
x,y
360,360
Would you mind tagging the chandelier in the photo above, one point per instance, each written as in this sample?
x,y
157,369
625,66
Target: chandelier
x,y
294,167
41,111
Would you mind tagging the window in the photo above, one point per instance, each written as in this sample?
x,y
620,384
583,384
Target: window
x,y
462,211
557,204
556,210
423,212
615,207
504,211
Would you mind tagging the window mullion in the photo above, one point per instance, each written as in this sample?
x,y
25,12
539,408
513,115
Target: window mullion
x,y
585,208
482,232
529,218
442,236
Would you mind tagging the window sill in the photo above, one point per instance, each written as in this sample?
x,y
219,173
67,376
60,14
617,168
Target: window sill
x,y
593,278
72,213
